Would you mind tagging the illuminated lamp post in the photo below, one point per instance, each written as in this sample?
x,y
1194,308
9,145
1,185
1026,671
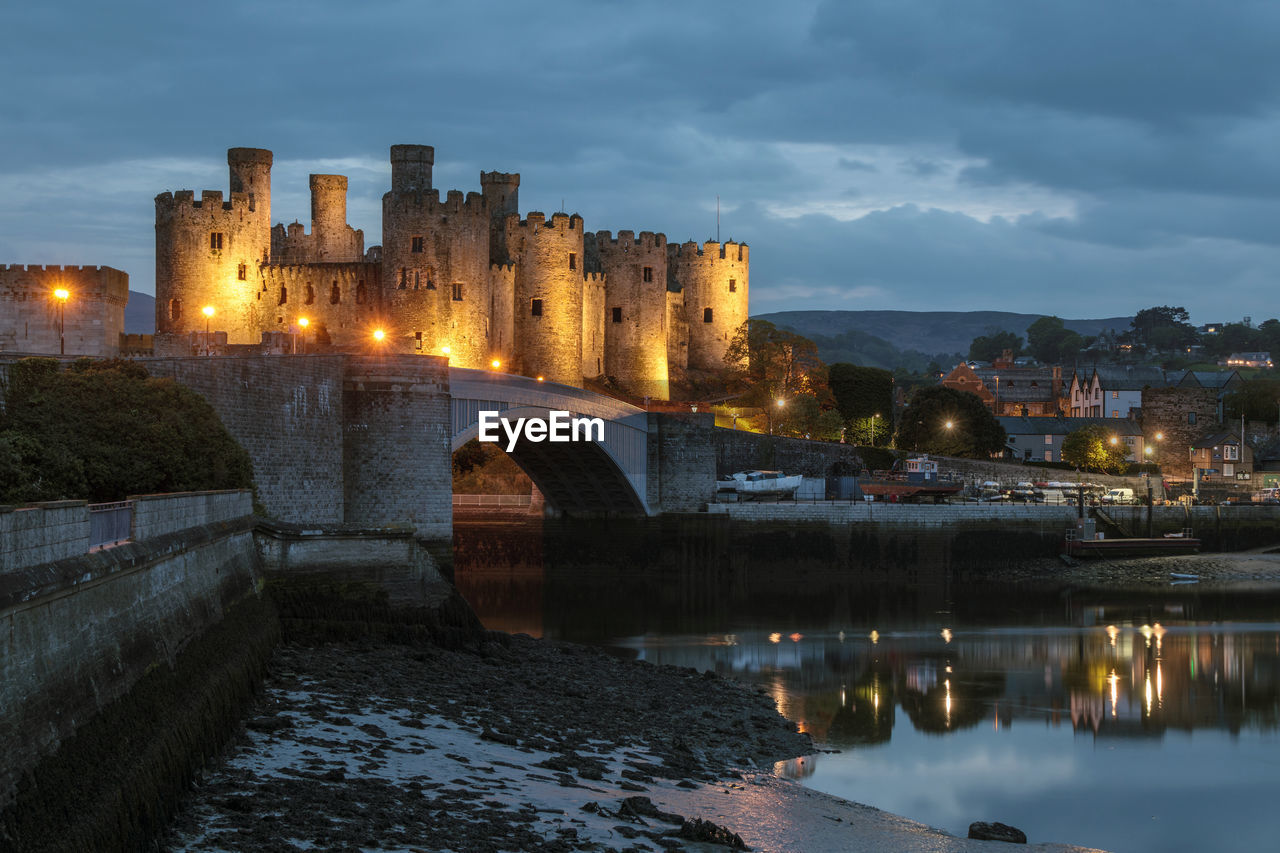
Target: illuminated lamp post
x,y
496,364
62,294
208,315
782,404
303,322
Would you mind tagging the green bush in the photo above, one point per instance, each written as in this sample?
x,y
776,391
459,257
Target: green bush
x,y
104,430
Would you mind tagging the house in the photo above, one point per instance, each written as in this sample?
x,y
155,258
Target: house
x,y
1040,439
1221,382
1009,390
1222,456
1111,391
1249,359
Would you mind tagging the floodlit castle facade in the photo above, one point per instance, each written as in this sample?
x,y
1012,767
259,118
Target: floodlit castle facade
x,y
462,276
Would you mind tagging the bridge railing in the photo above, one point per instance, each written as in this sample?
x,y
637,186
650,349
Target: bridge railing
x,y
492,500
110,523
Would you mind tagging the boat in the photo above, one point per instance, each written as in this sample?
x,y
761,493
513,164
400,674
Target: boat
x,y
754,485
919,481
1131,547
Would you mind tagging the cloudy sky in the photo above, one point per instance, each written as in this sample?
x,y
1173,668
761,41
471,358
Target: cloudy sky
x,y
1086,159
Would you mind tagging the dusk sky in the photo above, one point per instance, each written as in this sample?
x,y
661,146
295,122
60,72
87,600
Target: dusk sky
x,y
1084,159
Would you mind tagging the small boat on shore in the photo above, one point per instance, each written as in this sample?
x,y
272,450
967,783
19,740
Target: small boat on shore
x,y
920,480
759,485
1132,547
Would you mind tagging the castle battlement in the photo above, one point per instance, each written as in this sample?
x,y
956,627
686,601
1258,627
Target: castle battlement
x,y
319,272
595,277
172,202
503,269
500,178
627,239
56,268
428,201
730,251
538,219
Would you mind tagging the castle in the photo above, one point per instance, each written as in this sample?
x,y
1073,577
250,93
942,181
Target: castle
x,y
464,277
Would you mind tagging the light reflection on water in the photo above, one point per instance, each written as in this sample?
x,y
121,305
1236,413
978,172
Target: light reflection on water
x,y
1127,721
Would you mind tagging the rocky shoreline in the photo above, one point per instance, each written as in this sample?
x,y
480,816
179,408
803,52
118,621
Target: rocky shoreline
x,y
1235,570
517,744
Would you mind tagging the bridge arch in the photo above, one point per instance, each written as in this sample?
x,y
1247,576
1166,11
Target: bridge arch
x,y
575,477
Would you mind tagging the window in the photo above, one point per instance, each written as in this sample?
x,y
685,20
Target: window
x,y
1048,439
175,309
573,260
416,245
215,240
417,336
535,307
362,294
1115,413
457,291
706,315
431,278
242,272
310,295
1115,395
617,314
1048,456
1191,417
335,295
404,278
648,273
417,279
733,285
1230,451
284,295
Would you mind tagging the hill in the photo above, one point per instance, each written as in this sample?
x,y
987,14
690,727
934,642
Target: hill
x,y
905,338
140,314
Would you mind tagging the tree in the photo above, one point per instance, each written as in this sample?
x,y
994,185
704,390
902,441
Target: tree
x,y
950,422
991,346
101,431
1256,399
1051,342
1095,447
1144,324
1235,337
772,363
861,392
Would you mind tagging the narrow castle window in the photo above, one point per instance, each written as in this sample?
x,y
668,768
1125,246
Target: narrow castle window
x,y
404,278
648,273
733,285
417,279
617,315
242,272
215,240
335,295
284,295
573,260
417,245
706,315
175,309
431,278
310,295
417,336
457,291
535,306
361,294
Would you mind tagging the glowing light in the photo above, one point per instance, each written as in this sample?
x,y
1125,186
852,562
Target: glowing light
x,y
875,637
540,379
1147,450
946,635
1113,632
948,686
1148,694
378,334
1159,684
781,403
1115,440
775,637
303,322
62,293
495,364
949,424
1115,691
207,310
795,637
445,349
1159,436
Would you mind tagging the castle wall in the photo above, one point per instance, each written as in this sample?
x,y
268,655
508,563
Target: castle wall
x,y
435,275
502,296
502,197
635,326
549,259
677,334
339,301
92,317
593,319
714,279
331,239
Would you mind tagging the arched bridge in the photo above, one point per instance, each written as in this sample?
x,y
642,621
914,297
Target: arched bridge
x,y
576,476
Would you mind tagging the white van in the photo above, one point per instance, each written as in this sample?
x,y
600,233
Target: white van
x,y
1118,496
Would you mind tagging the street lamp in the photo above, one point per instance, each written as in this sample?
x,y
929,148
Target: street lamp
x,y
62,295
208,315
303,322
378,335
495,364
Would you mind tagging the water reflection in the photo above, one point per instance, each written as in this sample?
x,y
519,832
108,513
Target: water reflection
x,y
951,698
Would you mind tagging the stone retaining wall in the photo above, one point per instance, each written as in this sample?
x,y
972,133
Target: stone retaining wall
x,y
42,533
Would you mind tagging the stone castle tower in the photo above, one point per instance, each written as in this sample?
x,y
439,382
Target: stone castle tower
x,y
463,276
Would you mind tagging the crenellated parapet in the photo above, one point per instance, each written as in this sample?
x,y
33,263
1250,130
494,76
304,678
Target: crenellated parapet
x,y
715,281
429,203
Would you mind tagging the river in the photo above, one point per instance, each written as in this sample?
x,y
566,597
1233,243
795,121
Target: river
x,y
1131,720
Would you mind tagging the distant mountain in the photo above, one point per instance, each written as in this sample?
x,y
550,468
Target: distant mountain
x,y
902,338
140,314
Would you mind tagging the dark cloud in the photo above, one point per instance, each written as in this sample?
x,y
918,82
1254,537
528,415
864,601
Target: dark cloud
x,y
856,165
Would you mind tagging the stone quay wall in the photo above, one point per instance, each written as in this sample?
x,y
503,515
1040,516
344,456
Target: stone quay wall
x,y
78,631
42,533
739,450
